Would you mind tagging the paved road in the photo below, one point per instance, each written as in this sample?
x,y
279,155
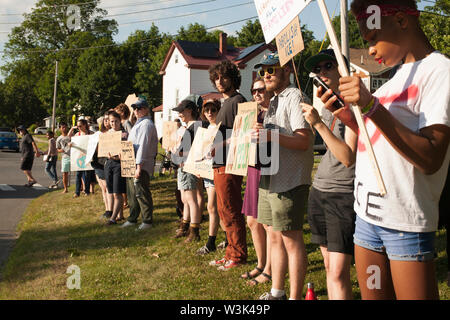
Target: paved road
x,y
14,197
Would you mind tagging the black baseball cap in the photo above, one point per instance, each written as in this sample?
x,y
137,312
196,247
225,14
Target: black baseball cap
x,y
140,104
21,127
185,104
324,55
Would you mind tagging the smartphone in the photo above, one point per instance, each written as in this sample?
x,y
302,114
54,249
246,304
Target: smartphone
x,y
339,103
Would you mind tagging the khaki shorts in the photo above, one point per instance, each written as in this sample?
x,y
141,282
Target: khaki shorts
x,y
283,211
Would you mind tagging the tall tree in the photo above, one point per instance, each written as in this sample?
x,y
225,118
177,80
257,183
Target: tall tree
x,y
251,33
436,25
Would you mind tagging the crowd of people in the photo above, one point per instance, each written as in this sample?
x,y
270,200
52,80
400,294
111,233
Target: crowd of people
x,y
348,217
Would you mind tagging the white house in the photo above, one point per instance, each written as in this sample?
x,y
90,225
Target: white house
x,y
185,71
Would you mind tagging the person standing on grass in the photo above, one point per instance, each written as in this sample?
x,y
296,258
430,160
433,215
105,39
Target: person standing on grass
x,y
29,150
408,121
145,143
83,127
187,182
330,205
99,167
63,147
226,78
209,111
115,183
283,195
52,154
261,241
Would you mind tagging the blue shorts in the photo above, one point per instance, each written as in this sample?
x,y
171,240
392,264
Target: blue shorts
x,y
65,164
208,183
398,245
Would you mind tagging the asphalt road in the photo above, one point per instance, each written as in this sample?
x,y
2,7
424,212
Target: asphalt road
x,y
14,197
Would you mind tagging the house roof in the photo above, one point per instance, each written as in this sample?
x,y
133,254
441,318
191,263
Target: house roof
x,y
201,55
368,62
158,108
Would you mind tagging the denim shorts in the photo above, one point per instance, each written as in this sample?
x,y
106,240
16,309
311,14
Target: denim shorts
x,y
186,181
208,183
65,164
398,245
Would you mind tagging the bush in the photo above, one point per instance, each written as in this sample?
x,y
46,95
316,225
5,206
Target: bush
x,y
32,127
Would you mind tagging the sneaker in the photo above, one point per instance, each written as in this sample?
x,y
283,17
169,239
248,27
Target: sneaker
x,y
216,263
228,265
222,245
204,250
144,226
128,224
269,296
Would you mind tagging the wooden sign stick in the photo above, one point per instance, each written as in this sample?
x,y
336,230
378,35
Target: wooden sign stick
x,y
359,119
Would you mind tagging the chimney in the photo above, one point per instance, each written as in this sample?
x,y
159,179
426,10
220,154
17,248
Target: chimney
x,y
223,43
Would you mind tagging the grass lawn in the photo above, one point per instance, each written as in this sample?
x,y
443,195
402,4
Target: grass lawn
x,y
58,231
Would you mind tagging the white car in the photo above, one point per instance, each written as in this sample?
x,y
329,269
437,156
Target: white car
x,y
41,130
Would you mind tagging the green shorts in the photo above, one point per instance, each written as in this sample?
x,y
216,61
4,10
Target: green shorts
x,y
283,211
65,164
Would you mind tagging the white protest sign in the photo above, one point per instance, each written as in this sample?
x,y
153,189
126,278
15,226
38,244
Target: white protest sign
x,y
275,15
78,154
92,146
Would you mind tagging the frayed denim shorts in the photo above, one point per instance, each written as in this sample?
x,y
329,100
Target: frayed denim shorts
x,y
398,245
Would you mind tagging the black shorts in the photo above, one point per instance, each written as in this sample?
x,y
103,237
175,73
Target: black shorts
x,y
332,220
27,164
115,183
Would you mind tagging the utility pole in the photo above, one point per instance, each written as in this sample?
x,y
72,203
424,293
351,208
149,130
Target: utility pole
x,y
344,30
54,97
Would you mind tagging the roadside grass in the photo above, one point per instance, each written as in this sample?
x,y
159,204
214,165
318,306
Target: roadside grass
x,y
58,231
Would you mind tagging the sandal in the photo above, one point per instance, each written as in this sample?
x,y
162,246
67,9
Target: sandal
x,y
248,275
30,183
254,282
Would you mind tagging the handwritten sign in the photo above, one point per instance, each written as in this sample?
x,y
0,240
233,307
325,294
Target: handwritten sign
x,y
198,161
109,142
170,138
127,160
290,41
239,149
78,154
275,15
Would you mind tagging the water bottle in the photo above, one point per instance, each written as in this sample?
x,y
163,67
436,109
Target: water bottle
x,y
310,294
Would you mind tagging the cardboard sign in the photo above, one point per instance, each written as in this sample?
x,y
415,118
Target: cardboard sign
x,y
132,98
109,142
127,160
275,15
239,148
78,153
290,41
198,161
170,138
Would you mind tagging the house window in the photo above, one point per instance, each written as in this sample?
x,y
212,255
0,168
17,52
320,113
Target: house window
x,y
177,96
176,58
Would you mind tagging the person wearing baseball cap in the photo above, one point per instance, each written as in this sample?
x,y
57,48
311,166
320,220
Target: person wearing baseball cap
x,y
326,55
283,193
145,143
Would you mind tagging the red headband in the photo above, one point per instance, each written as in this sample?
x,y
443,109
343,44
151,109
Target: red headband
x,y
389,10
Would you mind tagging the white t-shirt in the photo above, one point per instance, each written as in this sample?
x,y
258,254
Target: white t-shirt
x,y
418,96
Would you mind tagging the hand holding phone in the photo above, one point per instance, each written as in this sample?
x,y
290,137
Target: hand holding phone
x,y
339,103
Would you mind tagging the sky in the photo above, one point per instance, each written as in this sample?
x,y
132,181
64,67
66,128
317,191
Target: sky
x,y
128,13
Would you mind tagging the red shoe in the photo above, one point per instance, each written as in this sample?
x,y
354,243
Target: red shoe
x,y
216,263
228,265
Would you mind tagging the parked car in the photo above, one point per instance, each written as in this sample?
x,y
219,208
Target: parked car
x,y
9,140
41,130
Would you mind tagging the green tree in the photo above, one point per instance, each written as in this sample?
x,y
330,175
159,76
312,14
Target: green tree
x,y
354,36
436,25
250,34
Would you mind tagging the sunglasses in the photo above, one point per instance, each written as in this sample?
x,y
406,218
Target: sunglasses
x,y
270,71
212,110
327,66
259,90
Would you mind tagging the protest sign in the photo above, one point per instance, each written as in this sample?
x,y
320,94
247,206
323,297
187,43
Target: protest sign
x,y
92,146
78,154
109,142
290,41
169,139
275,15
198,161
127,160
240,141
132,98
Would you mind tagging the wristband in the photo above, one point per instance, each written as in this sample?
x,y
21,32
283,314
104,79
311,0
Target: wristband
x,y
368,106
375,105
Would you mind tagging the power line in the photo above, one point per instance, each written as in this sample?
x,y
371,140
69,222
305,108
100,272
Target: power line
x,y
116,44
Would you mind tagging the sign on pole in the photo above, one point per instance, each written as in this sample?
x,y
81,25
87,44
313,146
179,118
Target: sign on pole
x,y
239,149
275,15
127,160
78,154
290,41
109,142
